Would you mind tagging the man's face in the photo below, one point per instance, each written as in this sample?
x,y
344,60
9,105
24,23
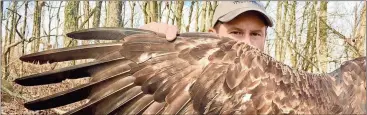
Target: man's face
x,y
247,27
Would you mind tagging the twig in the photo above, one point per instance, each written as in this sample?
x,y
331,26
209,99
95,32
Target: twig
x,y
89,15
294,49
355,49
7,48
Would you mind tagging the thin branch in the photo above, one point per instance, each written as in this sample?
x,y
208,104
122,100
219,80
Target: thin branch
x,y
89,16
267,4
14,12
355,49
294,49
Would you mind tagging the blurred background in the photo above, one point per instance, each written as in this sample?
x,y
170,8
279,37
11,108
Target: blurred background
x,y
314,36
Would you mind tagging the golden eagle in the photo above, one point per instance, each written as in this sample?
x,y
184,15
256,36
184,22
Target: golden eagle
x,y
198,73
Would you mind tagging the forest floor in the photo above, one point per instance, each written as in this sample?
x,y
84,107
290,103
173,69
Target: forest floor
x,y
13,96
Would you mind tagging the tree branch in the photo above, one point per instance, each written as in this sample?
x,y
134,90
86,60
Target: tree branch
x,y
294,49
355,49
89,16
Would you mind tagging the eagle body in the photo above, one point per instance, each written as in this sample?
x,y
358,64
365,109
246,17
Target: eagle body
x,y
198,73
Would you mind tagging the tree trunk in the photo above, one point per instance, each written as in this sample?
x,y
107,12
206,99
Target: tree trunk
x,y
144,7
310,42
23,34
203,16
360,36
1,39
213,6
50,17
178,13
7,54
197,17
159,6
71,21
86,13
173,14
86,18
187,28
113,14
284,35
299,40
278,31
294,55
153,11
323,51
37,26
123,14
58,25
168,5
97,16
132,5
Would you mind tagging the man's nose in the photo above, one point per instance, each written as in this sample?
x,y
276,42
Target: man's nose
x,y
247,39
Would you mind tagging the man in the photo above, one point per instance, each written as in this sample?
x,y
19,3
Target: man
x,y
244,21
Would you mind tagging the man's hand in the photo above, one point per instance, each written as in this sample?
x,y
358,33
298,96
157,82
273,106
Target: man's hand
x,y
169,30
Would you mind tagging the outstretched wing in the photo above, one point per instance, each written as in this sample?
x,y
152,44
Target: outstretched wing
x,y
198,73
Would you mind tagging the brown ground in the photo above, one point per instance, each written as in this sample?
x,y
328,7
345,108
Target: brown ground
x,y
14,105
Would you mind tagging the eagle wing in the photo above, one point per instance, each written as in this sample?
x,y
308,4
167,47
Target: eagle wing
x,y
198,73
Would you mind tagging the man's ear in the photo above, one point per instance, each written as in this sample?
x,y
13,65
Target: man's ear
x,y
212,30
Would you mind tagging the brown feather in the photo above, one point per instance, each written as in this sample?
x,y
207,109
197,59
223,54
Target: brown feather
x,y
71,53
154,108
197,73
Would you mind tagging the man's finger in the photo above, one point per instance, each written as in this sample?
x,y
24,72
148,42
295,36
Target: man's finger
x,y
171,33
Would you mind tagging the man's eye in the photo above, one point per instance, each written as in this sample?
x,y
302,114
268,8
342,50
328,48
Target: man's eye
x,y
237,33
255,34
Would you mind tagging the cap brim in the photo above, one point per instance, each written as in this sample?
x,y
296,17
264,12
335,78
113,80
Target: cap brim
x,y
233,14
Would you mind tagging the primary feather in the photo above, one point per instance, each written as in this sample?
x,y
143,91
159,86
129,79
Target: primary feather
x,y
198,73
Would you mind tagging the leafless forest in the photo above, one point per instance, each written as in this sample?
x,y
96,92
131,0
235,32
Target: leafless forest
x,y
315,36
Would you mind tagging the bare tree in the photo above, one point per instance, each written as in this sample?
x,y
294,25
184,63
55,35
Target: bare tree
x,y
293,47
203,16
187,28
132,6
171,7
197,16
1,39
97,16
360,35
152,11
178,13
37,26
213,5
310,42
278,36
123,14
143,7
113,14
322,51
9,40
23,34
86,11
71,21
168,6
159,11
58,25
